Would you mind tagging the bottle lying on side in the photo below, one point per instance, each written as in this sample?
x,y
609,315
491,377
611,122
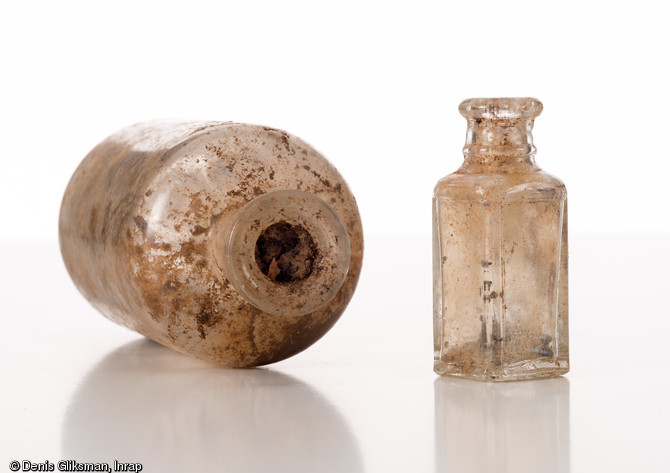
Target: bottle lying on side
x,y
234,243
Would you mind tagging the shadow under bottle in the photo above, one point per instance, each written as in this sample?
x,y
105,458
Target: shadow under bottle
x,y
502,427
172,413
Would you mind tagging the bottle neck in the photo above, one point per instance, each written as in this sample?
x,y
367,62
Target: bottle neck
x,y
499,144
287,253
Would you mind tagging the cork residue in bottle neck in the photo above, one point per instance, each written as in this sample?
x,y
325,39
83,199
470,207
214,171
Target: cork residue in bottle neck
x,y
499,133
287,253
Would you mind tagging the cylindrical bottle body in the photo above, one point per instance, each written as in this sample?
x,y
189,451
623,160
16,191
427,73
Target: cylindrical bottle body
x,y
145,226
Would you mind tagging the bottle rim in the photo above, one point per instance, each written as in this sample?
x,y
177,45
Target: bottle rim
x,y
501,108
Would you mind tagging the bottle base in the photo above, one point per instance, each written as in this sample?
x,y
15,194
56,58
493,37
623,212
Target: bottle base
x,y
526,369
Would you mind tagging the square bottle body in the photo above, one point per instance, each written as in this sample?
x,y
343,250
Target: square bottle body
x,y
500,276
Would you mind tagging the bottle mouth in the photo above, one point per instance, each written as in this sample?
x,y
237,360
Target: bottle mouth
x,y
501,108
288,253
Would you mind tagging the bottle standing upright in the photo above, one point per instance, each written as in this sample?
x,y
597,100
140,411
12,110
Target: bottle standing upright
x,y
500,253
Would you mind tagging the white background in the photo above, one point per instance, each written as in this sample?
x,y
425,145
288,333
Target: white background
x,y
375,86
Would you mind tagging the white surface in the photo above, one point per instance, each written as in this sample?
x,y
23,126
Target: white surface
x,y
364,398
374,85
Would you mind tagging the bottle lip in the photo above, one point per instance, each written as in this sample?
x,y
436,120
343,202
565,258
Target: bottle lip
x,y
325,228
501,108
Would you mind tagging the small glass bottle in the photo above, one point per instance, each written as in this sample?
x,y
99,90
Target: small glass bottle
x,y
500,253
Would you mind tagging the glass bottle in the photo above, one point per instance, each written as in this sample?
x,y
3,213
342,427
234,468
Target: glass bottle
x,y
234,243
500,253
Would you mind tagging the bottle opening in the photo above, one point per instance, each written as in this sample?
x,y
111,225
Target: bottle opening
x,y
501,108
285,253
499,129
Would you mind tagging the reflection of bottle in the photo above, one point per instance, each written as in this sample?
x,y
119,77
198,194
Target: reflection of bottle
x,y
235,243
500,253
172,413
505,427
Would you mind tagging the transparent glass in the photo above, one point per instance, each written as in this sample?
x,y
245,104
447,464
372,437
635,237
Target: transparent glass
x,y
301,275
500,253
234,243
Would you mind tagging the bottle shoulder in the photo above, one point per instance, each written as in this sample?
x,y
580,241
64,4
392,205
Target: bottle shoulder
x,y
493,187
198,187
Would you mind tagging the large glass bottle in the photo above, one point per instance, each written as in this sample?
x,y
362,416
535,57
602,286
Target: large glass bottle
x,y
234,243
500,253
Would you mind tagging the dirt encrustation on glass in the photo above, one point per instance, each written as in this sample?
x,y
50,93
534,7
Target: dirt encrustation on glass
x,y
285,252
144,221
500,252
